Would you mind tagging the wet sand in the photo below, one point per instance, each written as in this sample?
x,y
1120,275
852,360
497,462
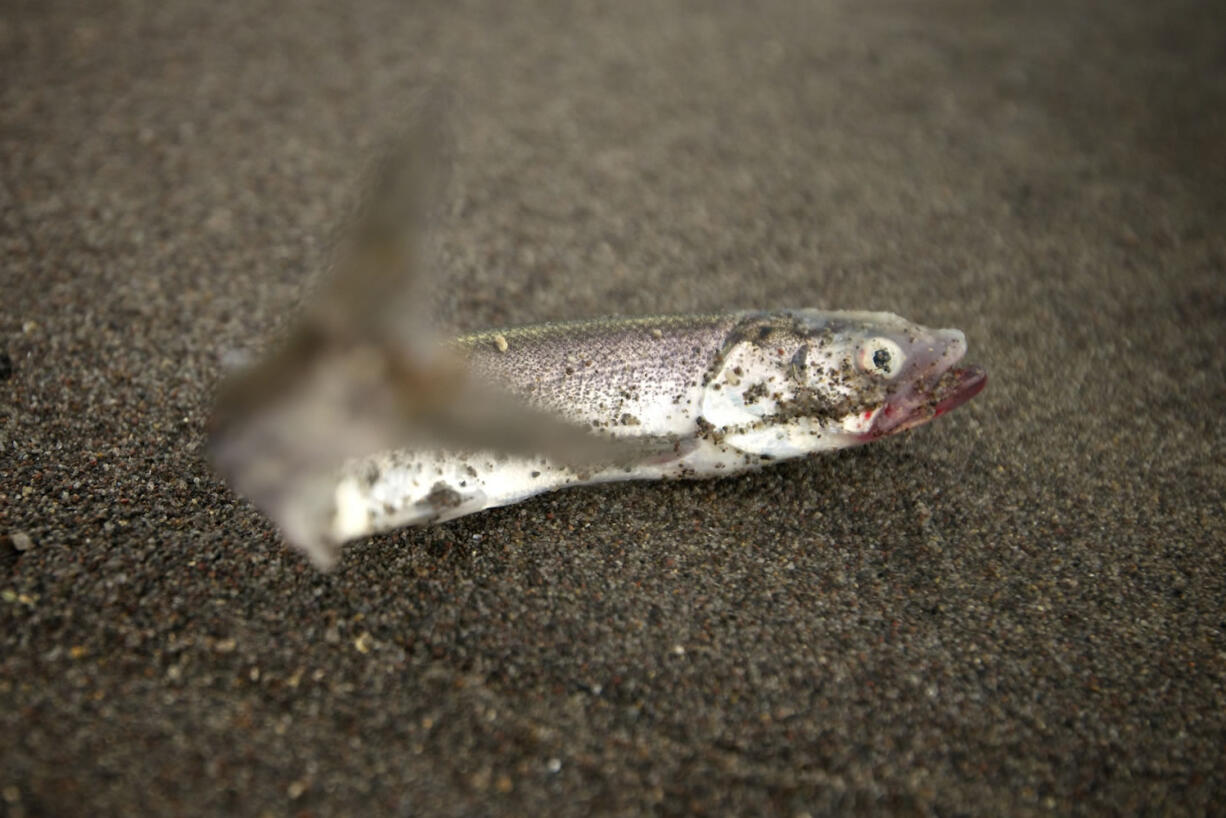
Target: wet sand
x,y
1017,609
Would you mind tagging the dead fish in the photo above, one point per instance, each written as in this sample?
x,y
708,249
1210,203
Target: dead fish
x,y
360,421
690,397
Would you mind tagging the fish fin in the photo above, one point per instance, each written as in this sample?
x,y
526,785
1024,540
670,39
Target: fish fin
x,y
361,369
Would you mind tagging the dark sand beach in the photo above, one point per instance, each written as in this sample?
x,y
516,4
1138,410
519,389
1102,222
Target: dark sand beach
x,y
1019,609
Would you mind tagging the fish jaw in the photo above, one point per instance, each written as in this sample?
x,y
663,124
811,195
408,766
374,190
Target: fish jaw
x,y
936,386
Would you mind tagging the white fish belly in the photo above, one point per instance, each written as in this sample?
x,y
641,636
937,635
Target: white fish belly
x,y
401,488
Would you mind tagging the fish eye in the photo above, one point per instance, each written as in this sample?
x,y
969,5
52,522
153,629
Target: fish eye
x,y
881,356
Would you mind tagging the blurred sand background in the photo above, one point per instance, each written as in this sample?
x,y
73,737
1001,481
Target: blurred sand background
x,y
1018,609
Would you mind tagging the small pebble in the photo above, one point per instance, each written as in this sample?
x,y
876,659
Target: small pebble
x,y
21,541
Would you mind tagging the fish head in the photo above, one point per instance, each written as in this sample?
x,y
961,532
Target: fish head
x,y
905,373
802,381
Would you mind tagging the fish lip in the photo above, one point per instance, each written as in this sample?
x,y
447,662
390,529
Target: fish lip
x,y
956,387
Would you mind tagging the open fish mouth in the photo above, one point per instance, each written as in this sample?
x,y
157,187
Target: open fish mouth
x,y
937,387
927,401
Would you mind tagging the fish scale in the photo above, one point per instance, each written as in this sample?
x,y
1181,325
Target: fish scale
x,y
596,372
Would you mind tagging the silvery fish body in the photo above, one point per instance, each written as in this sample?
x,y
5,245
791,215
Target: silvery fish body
x,y
704,395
